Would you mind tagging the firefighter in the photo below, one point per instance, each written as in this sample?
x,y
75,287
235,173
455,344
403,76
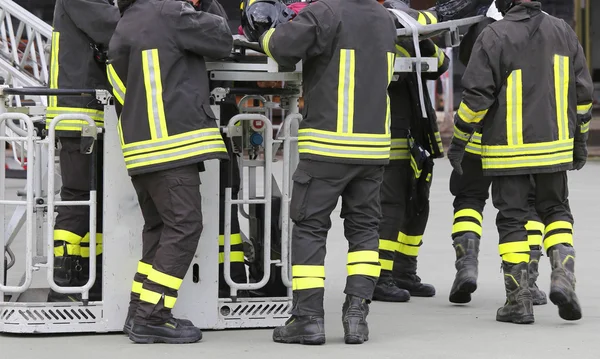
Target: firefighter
x,y
82,30
471,191
407,179
344,144
167,131
528,131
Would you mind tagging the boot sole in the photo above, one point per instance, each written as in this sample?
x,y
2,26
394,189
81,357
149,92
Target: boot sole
x,y
390,299
422,294
568,308
151,339
355,339
126,329
463,292
540,301
315,339
528,319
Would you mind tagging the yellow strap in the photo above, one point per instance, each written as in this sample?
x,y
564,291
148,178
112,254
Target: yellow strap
x,y
235,239
144,268
559,225
235,257
363,256
466,226
387,245
315,271
371,270
513,247
410,251
66,236
559,238
164,279
307,283
516,257
136,287
386,264
468,212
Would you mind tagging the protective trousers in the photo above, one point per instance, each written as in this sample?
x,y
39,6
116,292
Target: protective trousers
x,y
401,229
471,191
71,229
317,188
510,195
172,209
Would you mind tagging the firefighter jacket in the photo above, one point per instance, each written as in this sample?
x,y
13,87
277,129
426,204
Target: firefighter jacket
x,y
158,73
524,87
82,30
347,49
406,111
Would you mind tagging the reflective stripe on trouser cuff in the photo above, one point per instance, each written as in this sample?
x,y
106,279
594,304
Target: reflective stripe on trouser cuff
x,y
513,247
85,250
467,226
409,250
558,238
144,268
559,225
233,239
164,279
371,270
72,250
86,238
387,245
535,226
235,257
410,240
307,283
66,236
516,257
363,256
468,212
386,264
136,287
315,271
534,240
153,298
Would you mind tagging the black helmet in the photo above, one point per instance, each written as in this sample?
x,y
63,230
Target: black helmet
x,y
258,16
505,5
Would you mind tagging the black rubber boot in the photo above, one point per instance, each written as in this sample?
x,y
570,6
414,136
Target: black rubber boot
x,y
518,308
171,332
562,285
129,323
465,282
405,276
67,271
354,319
539,297
308,330
387,291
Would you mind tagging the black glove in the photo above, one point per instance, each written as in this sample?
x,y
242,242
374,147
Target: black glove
x,y
580,152
428,48
456,152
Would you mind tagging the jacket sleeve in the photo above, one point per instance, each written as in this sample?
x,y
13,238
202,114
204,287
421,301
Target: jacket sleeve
x,y
309,34
199,32
583,84
96,18
480,82
430,49
213,7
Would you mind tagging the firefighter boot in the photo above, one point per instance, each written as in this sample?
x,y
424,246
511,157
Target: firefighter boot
x,y
171,332
562,284
518,308
66,274
387,291
465,282
539,297
405,276
308,330
129,322
354,319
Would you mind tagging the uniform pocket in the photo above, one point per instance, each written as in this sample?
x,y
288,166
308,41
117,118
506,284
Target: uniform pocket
x,y
299,200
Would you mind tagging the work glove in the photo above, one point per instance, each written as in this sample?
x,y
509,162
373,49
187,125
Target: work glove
x,y
456,152
580,152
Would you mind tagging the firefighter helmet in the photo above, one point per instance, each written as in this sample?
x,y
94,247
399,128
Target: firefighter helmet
x,y
258,16
505,5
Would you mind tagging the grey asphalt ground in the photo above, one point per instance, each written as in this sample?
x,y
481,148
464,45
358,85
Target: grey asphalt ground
x,y
421,328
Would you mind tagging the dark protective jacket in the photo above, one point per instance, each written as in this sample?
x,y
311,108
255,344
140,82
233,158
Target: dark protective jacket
x,y
407,116
166,120
525,85
80,26
347,48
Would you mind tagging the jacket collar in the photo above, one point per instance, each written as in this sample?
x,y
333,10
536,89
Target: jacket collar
x,y
524,11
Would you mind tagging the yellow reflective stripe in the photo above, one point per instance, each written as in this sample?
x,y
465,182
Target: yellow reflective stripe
x,y
371,270
85,251
470,116
363,256
440,56
411,251
584,127
164,279
234,239
149,296
136,287
513,247
154,94
428,178
402,51
316,271
72,250
171,142
468,212
96,115
535,226
426,18
265,42
514,108
399,143
412,240
170,302
559,238
467,226
120,131
86,238
119,88
561,93
175,154
357,138
387,245
516,258
236,257
584,109
431,17
307,283
144,268
415,168
473,148
54,65
320,149
386,264
67,236
559,225
388,114
534,239
399,154
345,101
540,148
461,135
